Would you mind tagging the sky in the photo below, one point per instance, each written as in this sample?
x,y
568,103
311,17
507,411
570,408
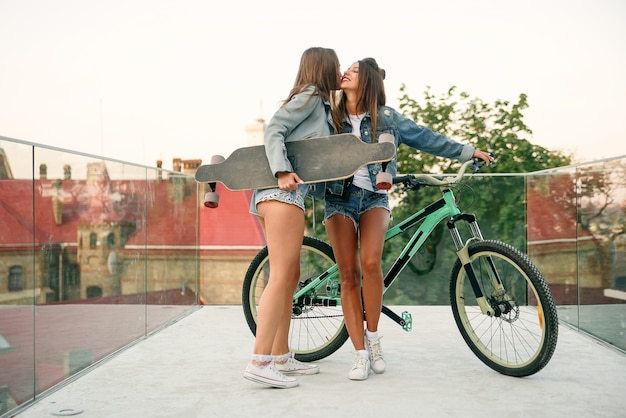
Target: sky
x,y
141,81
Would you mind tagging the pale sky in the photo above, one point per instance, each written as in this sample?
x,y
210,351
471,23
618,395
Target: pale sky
x,y
140,80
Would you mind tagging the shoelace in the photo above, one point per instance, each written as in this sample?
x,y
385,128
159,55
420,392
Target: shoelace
x,y
292,363
277,374
359,362
377,351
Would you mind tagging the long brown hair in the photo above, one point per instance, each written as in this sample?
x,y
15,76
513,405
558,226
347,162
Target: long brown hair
x,y
370,93
319,67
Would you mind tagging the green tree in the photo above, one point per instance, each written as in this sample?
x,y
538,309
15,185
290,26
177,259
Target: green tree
x,y
497,127
498,202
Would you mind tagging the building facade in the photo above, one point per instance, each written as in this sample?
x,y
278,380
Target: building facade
x,y
98,237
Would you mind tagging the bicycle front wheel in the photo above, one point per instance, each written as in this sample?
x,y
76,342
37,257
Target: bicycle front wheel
x,y
521,337
317,328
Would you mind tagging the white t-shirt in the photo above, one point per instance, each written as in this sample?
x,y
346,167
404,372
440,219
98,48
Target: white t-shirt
x,y
362,177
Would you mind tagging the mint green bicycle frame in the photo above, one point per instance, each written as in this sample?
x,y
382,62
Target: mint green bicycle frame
x,y
430,217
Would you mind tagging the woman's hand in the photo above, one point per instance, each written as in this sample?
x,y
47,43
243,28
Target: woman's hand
x,y
288,180
485,156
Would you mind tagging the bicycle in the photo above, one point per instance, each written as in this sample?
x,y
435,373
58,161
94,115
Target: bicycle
x,y
501,303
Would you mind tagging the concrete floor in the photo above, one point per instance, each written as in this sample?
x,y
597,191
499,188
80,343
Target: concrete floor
x,y
194,368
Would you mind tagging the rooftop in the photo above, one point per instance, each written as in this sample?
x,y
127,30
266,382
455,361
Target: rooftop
x,y
193,368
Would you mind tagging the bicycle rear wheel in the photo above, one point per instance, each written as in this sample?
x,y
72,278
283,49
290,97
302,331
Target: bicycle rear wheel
x,y
317,327
521,337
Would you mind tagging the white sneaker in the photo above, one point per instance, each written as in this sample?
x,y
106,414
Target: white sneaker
x,y
296,367
268,375
360,368
376,354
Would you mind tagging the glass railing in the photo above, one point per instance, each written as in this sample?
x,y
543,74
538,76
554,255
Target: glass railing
x,y
577,238
95,254
571,221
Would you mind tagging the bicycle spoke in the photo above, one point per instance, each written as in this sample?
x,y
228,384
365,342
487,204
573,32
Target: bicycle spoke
x,y
517,340
316,330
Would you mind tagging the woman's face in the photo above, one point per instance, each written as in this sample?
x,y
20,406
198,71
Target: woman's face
x,y
350,78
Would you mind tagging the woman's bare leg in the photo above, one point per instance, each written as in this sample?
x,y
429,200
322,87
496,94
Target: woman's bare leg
x,y
373,227
344,240
284,230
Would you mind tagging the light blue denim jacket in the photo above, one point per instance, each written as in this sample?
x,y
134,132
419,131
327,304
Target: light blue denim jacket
x,y
405,131
296,120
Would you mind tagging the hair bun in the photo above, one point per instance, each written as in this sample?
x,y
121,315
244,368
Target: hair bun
x,y
372,63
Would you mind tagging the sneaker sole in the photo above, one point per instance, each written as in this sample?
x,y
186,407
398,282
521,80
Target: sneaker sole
x,y
272,383
299,372
369,371
358,378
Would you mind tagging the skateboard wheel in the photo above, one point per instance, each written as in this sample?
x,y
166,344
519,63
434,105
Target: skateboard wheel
x,y
385,137
211,200
384,181
216,159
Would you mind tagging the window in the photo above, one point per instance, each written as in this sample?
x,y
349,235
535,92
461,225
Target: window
x,y
15,279
72,274
111,239
94,291
93,240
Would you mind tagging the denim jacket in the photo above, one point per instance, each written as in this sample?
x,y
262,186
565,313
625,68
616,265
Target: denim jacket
x,y
405,131
297,119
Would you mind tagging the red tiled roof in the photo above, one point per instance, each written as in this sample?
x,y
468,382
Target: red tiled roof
x,y
231,222
163,223
16,214
551,210
166,222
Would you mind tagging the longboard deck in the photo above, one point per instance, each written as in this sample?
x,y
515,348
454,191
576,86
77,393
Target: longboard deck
x,y
321,159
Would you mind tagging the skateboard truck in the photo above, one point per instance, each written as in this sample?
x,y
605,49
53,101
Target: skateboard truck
x,y
211,198
384,180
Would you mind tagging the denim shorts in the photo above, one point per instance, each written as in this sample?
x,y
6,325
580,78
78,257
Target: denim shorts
x,y
355,204
294,197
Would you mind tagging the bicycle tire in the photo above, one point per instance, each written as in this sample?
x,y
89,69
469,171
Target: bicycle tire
x,y
423,262
516,343
315,331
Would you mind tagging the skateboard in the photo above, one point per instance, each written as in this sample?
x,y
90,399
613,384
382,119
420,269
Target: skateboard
x,y
321,159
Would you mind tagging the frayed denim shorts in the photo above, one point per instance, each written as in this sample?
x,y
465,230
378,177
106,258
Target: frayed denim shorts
x,y
294,197
356,202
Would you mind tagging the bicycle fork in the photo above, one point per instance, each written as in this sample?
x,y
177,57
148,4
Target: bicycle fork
x,y
462,251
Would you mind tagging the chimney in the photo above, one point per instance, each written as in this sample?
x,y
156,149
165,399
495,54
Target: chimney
x,y
57,203
177,184
190,166
43,172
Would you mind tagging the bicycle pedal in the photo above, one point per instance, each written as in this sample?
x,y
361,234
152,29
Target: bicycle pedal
x,y
408,321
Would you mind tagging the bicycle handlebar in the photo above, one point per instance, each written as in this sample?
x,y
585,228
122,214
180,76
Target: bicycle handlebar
x,y
416,180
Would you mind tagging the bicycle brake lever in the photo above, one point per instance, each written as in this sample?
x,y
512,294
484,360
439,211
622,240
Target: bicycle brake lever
x,y
417,184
